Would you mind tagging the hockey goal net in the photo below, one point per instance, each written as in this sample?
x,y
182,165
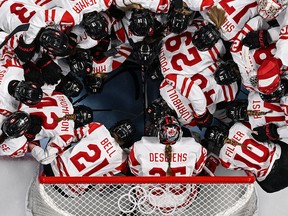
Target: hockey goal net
x,y
92,196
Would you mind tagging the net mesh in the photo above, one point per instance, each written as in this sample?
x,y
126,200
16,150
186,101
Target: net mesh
x,y
213,199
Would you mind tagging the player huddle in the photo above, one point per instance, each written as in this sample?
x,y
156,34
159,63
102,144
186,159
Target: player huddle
x,y
201,52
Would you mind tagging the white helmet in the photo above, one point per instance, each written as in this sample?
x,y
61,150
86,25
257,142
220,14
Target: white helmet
x,y
270,9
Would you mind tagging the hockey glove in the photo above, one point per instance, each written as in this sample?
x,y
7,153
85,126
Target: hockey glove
x,y
51,72
35,127
204,120
98,50
257,39
212,164
265,132
116,12
25,51
32,73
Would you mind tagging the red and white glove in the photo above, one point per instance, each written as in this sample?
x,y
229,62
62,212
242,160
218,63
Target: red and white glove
x,y
204,120
211,163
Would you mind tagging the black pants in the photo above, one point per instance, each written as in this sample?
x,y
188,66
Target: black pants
x,y
277,179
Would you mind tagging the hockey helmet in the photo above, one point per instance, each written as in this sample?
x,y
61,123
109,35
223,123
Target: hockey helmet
x,y
206,37
123,131
54,41
270,9
70,85
84,115
25,91
169,130
142,22
277,94
215,137
237,110
93,83
81,63
95,25
144,53
157,110
16,124
227,73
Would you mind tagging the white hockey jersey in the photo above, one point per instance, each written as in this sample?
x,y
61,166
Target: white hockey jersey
x,y
237,14
96,154
158,6
147,157
249,155
179,56
50,109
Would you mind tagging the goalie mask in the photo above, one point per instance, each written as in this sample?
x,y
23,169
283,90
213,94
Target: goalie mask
x,y
123,132
81,63
54,41
141,22
84,115
215,137
270,9
26,92
169,130
95,25
206,37
157,110
237,110
227,73
16,124
70,86
277,94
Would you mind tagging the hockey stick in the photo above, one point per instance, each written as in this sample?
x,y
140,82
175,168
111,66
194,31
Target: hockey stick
x,y
23,27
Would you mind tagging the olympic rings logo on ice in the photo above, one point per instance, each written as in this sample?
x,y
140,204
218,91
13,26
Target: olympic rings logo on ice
x,y
138,199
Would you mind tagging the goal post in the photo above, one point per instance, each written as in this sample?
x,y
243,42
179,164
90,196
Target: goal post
x,y
197,196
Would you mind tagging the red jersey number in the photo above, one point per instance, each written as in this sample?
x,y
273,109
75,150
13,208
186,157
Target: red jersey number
x,y
23,14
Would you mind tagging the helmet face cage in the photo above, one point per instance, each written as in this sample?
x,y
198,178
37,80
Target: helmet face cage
x,y
141,22
270,9
81,63
169,130
157,110
16,124
237,111
206,37
84,115
95,25
216,135
144,53
276,95
70,86
227,73
28,93
178,22
124,130
54,41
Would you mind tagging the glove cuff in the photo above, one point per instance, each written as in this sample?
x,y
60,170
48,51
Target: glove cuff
x,y
271,132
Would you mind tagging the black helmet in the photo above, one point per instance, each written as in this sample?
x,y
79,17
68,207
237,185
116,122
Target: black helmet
x,y
157,110
95,25
227,73
169,130
25,91
70,85
123,131
16,124
93,83
142,22
215,137
84,115
237,110
81,63
206,37
54,41
145,53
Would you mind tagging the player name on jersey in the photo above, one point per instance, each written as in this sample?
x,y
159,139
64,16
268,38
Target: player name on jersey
x,y
175,157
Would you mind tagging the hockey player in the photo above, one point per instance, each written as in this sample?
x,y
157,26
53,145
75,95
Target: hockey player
x,y
169,154
13,143
55,116
238,150
97,152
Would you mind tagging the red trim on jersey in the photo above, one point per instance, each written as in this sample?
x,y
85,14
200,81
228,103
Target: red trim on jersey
x,y
224,93
123,53
93,126
201,160
126,48
189,88
184,85
132,158
115,64
212,55
46,15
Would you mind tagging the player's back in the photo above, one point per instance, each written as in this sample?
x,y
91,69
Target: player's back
x,y
151,155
